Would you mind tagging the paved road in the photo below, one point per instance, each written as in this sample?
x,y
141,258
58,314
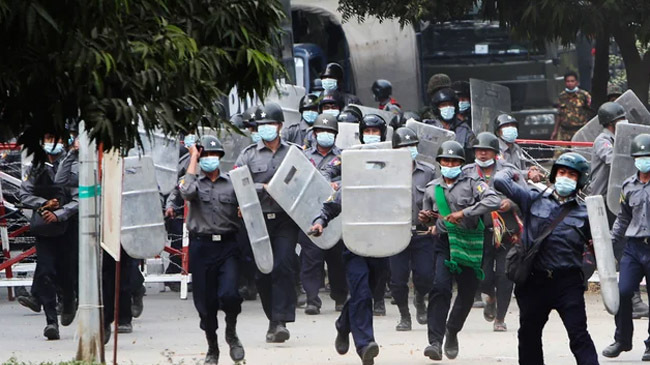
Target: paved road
x,y
167,332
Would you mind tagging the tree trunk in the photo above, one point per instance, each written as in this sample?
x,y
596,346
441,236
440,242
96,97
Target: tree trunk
x,y
636,67
601,70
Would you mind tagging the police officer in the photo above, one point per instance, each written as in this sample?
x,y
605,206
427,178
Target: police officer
x,y
453,206
445,109
350,114
464,101
556,281
316,87
299,133
322,155
331,103
54,224
417,257
633,226
332,79
362,275
382,91
497,242
277,289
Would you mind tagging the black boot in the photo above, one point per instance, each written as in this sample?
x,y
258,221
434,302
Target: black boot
x,y
51,331
342,341
30,302
646,354
433,351
420,308
236,348
137,304
68,314
615,349
639,309
212,356
369,353
451,345
379,308
277,333
405,319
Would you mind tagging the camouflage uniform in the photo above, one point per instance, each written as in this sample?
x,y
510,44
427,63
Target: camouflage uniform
x,y
575,111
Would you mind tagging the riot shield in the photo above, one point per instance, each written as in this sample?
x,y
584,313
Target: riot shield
x,y
622,163
488,101
368,110
635,112
348,135
288,96
143,233
300,189
373,146
376,201
430,138
164,152
604,251
251,211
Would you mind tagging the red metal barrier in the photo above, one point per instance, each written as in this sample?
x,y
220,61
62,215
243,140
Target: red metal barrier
x,y
9,146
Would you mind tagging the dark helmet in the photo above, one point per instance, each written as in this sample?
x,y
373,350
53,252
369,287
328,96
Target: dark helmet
x,y
504,119
461,88
640,145
410,115
451,149
488,141
212,144
328,122
609,112
372,120
237,120
381,89
308,102
249,116
395,121
404,137
331,97
316,85
574,161
269,113
437,82
350,114
333,71
444,95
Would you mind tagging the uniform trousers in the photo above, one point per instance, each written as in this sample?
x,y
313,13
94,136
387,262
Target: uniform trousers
x,y
128,283
496,284
416,258
313,271
635,264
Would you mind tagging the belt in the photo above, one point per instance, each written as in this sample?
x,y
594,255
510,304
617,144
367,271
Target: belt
x,y
273,216
554,274
643,240
419,230
219,237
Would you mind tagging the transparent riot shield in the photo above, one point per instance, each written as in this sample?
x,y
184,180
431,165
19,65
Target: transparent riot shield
x,y
488,101
348,135
376,201
164,152
368,110
143,233
622,163
430,138
300,189
288,96
373,146
635,111
251,211
604,251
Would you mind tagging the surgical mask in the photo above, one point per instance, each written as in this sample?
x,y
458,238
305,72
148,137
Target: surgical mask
x,y
565,186
189,140
209,163
571,90
371,138
325,139
255,137
447,112
329,84
71,140
487,163
51,149
268,132
414,151
309,116
333,112
509,134
463,105
450,172
642,164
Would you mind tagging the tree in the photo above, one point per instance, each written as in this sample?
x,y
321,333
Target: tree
x,y
113,63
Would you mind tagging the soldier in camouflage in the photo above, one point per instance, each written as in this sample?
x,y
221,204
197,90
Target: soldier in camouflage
x,y
574,106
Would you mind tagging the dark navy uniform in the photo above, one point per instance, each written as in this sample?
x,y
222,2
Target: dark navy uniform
x,y
556,281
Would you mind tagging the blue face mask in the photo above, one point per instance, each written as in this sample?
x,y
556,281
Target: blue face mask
x,y
255,136
447,112
642,164
575,89
371,138
463,105
487,163
209,163
71,140
450,172
509,134
309,116
333,112
51,149
565,186
268,132
329,84
325,139
189,140
414,151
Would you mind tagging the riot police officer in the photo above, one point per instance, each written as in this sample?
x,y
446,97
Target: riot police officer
x,y
213,224
506,128
445,109
350,114
299,133
331,103
417,257
322,155
453,206
609,114
332,80
464,101
633,226
277,289
382,91
316,87
558,222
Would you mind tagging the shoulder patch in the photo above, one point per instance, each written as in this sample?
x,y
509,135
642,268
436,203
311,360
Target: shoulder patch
x,y
482,186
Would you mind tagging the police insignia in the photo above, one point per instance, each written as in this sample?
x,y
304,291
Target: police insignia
x,y
481,187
